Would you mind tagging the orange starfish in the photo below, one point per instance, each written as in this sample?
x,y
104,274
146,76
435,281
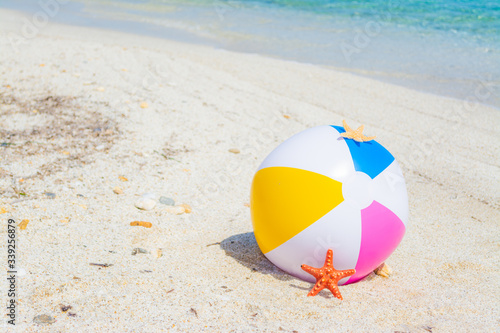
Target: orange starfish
x,y
356,135
327,276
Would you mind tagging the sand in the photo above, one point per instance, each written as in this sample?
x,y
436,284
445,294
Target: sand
x,y
89,110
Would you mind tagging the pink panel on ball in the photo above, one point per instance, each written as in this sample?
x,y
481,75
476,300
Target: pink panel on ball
x,y
381,233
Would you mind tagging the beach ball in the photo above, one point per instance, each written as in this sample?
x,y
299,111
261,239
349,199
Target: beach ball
x,y
318,191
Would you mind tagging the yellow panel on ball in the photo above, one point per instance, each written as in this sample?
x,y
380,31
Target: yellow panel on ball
x,y
285,201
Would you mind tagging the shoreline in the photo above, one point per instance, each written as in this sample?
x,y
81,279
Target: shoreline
x,y
463,89
86,111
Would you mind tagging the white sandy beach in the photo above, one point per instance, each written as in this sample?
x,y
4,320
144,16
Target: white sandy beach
x,y
72,100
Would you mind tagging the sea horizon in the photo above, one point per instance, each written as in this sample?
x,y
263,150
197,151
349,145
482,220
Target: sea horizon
x,y
440,47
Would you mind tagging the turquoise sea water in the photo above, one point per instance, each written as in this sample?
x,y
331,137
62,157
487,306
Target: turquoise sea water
x,y
438,46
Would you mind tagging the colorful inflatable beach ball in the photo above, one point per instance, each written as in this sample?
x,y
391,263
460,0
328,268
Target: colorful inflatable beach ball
x,y
318,191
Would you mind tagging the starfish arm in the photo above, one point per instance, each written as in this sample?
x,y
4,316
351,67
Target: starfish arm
x,y
320,285
368,138
349,272
346,273
329,258
335,290
359,130
347,135
316,272
346,127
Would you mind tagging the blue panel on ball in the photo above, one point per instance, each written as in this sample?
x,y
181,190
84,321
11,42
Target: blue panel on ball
x,y
368,157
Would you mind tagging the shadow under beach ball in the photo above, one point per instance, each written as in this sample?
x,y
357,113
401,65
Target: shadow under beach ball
x,y
244,248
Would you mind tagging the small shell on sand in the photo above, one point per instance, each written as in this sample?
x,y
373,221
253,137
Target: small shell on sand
x,y
234,150
146,202
139,250
141,224
383,270
177,210
187,208
118,190
44,319
144,105
167,201
23,224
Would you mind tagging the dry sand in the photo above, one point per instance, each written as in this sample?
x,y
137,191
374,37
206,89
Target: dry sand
x,y
70,101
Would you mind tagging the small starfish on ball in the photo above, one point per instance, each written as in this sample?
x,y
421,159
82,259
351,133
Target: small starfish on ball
x,y
327,276
356,135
